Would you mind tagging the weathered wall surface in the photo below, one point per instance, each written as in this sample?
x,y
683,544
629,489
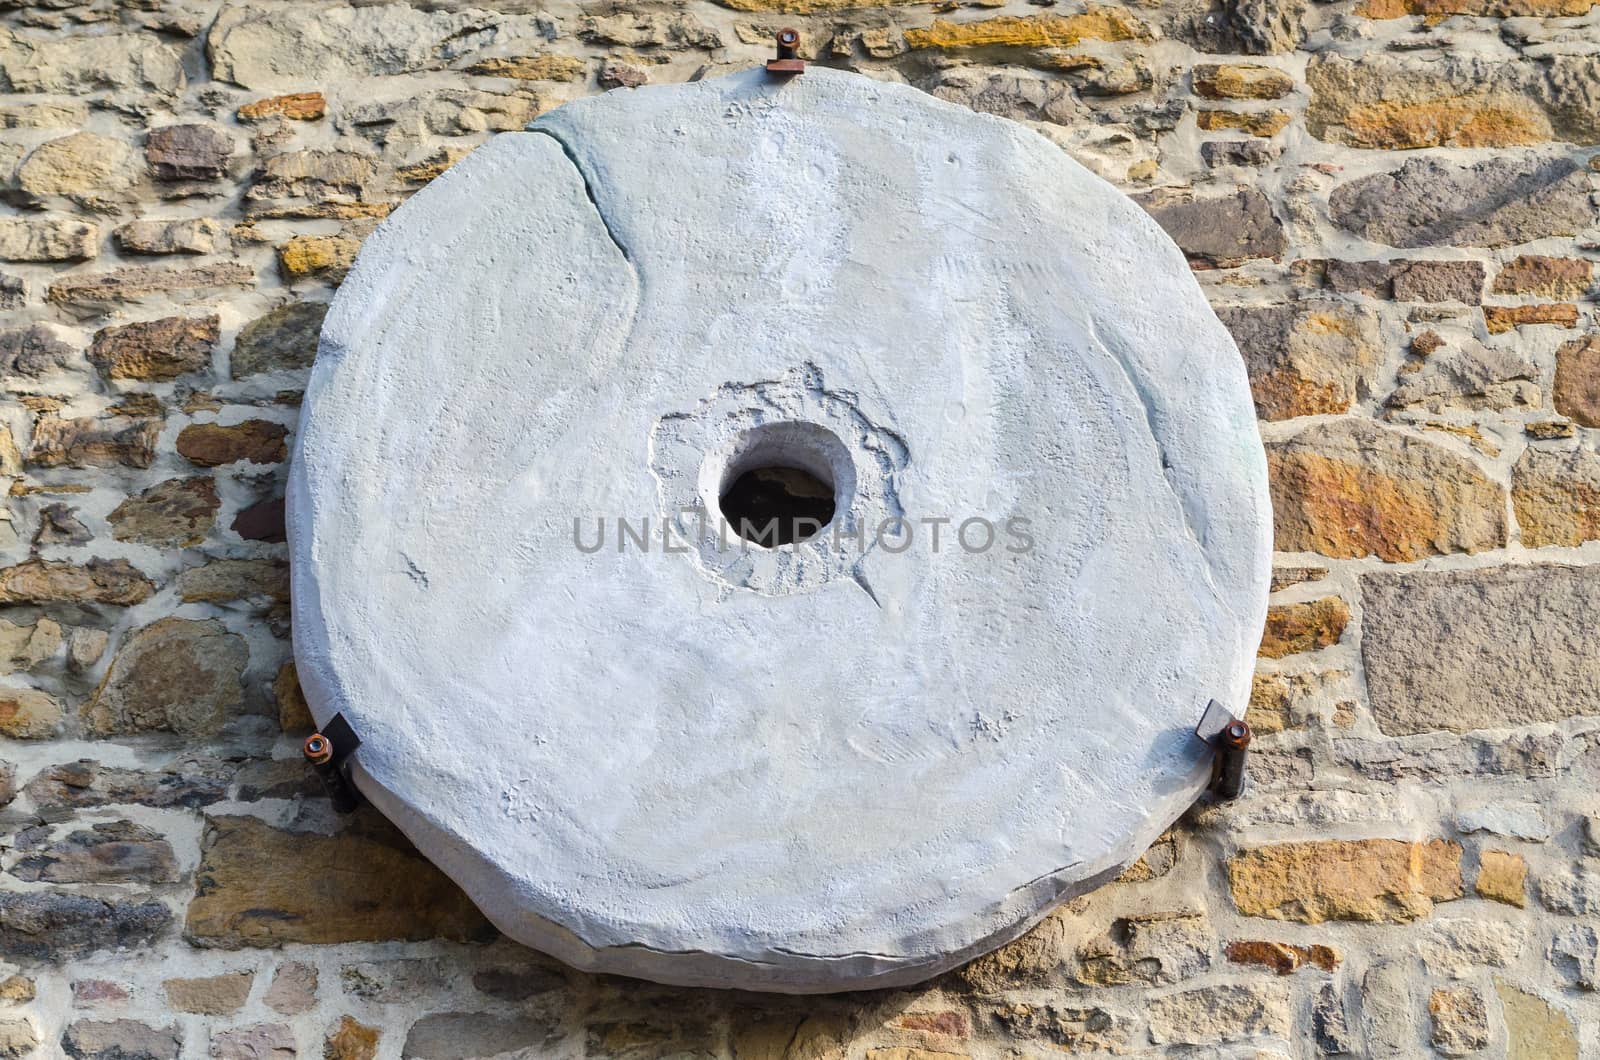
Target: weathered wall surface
x,y
1391,204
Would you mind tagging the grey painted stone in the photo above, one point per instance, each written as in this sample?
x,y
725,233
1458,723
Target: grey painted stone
x,y
774,743
1491,203
1481,649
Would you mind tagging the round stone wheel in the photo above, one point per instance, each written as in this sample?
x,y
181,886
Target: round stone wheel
x,y
857,759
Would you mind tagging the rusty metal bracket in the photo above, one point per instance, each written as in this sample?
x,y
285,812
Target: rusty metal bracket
x,y
1230,737
329,753
788,63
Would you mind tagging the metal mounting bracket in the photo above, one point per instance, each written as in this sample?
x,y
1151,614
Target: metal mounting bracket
x,y
1230,737
329,753
788,63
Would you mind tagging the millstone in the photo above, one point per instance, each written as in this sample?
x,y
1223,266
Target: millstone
x,y
856,759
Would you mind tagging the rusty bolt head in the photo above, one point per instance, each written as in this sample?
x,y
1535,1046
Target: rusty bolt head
x,y
788,38
1237,734
318,748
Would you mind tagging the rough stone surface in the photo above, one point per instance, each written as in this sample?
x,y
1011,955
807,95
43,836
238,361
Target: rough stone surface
x,y
1311,626
1556,496
253,441
1219,232
85,167
175,675
1216,1014
1577,383
188,152
282,340
177,513
57,926
1535,1030
47,239
198,235
1180,443
1474,649
1349,488
155,350
121,1040
1366,880
81,64
87,441
1426,203
109,852
257,886
100,581
1503,877
1303,359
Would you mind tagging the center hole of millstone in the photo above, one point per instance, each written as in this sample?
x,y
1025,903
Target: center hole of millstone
x,y
779,486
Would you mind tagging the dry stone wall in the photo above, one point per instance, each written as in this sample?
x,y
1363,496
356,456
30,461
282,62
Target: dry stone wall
x,y
1391,204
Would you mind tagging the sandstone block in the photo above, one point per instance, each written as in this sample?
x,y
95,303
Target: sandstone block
x,y
283,340
108,852
1351,488
1218,232
177,513
100,581
1308,626
1491,203
213,445
1365,880
155,350
259,886
1577,384
1240,81
1503,877
1481,649
47,239
88,441
174,675
1212,1015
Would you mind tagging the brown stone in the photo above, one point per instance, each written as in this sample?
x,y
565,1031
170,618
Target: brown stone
x,y
1503,877
1365,880
175,675
1218,232
1240,81
297,106
1032,31
28,714
177,513
1577,385
25,645
1351,488
96,291
213,995
351,1040
622,75
90,441
294,714
1439,281
17,988
155,350
1546,277
213,445
188,152
283,340
1556,496
259,886
100,581
324,257
1484,8
1502,318
262,521
108,852
313,184
1282,957
1262,123
531,67
1309,626
227,580
89,169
